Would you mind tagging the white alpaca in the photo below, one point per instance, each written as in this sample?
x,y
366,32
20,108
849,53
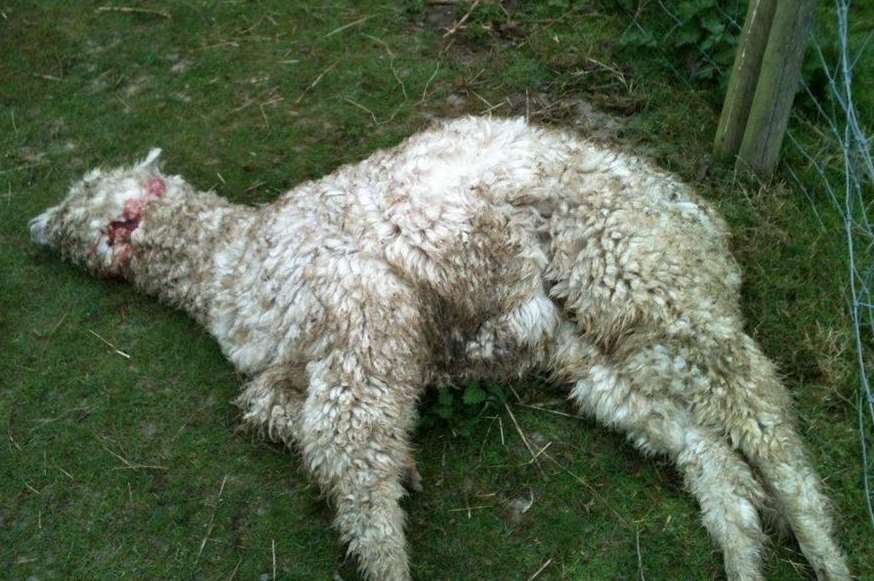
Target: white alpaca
x,y
479,248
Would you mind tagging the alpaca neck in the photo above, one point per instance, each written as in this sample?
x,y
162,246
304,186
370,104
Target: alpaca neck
x,y
175,251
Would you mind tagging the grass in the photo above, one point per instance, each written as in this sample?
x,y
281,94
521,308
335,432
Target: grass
x,y
114,466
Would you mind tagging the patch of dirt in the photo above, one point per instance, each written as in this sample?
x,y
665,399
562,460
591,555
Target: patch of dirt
x,y
597,116
575,112
438,16
443,18
594,123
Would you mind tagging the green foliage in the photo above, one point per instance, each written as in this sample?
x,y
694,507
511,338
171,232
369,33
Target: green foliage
x,y
815,74
699,34
461,408
413,7
482,23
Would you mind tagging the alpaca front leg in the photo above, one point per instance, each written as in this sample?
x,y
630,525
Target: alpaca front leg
x,y
354,438
371,522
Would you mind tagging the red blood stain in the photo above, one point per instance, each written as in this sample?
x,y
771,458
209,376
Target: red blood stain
x,y
120,231
133,209
156,186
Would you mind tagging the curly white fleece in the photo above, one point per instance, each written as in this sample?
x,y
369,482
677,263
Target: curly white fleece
x,y
478,248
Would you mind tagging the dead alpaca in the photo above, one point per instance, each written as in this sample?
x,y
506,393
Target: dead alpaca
x,y
478,248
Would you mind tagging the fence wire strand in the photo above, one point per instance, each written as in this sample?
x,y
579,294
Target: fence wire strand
x,y
841,168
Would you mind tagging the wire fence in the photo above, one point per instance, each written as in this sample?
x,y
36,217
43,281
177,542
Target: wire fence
x,y
838,164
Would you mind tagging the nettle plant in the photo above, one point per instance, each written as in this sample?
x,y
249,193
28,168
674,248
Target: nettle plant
x,y
461,407
703,34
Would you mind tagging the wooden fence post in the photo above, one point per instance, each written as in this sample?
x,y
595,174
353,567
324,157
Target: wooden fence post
x,y
744,78
778,82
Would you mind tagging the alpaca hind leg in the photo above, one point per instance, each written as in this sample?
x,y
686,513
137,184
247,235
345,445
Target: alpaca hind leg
x,y
765,431
717,476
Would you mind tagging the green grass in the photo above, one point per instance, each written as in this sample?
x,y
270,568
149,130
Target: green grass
x,y
112,467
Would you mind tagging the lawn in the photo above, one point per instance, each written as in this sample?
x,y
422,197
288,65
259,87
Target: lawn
x,y
129,464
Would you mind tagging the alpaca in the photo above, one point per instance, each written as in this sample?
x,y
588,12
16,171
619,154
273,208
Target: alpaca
x,y
479,248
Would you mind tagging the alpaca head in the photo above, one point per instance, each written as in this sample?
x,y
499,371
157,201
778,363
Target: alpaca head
x,y
97,222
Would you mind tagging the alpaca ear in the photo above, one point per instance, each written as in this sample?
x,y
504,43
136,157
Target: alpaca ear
x,y
151,158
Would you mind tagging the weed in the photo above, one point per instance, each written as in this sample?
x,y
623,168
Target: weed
x,y
696,33
461,408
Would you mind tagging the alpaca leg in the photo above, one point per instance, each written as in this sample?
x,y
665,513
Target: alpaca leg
x,y
357,455
718,477
354,434
273,402
765,431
